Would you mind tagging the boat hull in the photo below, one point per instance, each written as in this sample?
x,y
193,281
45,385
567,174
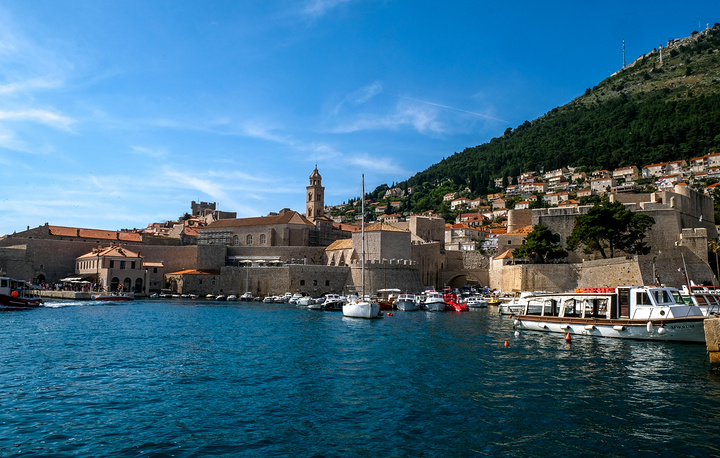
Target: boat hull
x,y
407,306
361,309
433,306
690,329
20,302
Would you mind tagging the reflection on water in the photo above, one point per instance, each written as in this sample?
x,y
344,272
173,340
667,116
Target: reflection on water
x,y
209,378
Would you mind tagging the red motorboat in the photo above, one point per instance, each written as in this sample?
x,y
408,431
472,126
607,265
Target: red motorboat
x,y
452,302
17,293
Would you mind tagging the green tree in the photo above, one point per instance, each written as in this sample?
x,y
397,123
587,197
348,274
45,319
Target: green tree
x,y
541,246
610,227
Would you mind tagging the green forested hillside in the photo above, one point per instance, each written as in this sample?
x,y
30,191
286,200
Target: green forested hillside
x,y
649,112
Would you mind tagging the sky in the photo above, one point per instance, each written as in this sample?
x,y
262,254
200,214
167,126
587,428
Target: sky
x,y
118,114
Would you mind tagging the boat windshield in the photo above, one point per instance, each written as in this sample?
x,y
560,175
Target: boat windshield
x,y
663,297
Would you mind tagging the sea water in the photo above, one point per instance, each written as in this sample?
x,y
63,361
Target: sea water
x,y
203,378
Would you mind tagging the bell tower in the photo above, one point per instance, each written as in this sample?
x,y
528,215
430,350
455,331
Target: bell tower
x,y
315,204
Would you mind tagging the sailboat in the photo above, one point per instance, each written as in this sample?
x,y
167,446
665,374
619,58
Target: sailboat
x,y
360,307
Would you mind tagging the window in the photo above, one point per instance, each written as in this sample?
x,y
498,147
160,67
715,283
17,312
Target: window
x,y
249,240
122,264
327,282
132,265
236,240
314,282
302,282
262,239
154,270
112,263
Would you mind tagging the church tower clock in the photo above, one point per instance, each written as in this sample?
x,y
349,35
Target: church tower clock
x,y
315,204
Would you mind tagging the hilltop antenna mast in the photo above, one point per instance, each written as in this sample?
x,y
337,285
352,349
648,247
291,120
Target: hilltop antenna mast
x,y
623,53
660,48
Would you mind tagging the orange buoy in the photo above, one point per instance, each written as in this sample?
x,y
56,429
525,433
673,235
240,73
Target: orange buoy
x,y
389,314
507,344
568,338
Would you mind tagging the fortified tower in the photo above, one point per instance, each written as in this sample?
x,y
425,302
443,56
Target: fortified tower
x,y
315,204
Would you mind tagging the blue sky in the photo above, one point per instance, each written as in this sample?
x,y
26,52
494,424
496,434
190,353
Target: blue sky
x,y
117,114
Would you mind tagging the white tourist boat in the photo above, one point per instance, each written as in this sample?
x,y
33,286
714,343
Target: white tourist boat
x,y
517,304
434,301
361,307
476,302
304,301
407,302
628,312
705,297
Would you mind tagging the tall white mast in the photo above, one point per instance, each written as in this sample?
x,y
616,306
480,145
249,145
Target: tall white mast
x,y
362,229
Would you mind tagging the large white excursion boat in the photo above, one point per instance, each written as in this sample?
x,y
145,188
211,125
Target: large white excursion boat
x,y
434,301
628,312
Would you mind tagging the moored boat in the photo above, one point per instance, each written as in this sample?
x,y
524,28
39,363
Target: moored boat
x,y
705,297
17,293
629,312
361,307
433,301
333,302
407,302
387,298
475,302
452,302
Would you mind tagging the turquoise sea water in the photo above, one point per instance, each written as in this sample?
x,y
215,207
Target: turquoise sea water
x,y
196,378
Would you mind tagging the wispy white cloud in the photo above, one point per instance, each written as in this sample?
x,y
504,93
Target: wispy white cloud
x,y
359,96
39,116
473,113
152,152
29,85
423,119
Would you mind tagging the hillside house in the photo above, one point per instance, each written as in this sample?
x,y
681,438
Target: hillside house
x,y
654,170
626,173
601,185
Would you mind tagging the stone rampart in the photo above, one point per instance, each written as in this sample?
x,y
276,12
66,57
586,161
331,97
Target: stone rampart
x,y
315,280
639,270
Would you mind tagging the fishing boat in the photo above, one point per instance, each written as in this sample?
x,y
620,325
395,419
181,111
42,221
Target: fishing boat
x,y
628,312
361,307
494,301
433,301
407,302
17,293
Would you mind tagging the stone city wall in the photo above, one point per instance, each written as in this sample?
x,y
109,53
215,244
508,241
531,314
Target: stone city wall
x,y
402,275
638,270
315,281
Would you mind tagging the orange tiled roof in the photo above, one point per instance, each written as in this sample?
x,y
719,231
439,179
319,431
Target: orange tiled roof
x,y
63,231
114,251
195,272
290,217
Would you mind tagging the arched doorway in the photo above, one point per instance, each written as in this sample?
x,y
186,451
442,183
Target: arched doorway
x,y
139,286
114,284
127,284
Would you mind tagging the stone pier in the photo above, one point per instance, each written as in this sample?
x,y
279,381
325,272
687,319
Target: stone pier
x,y
712,341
